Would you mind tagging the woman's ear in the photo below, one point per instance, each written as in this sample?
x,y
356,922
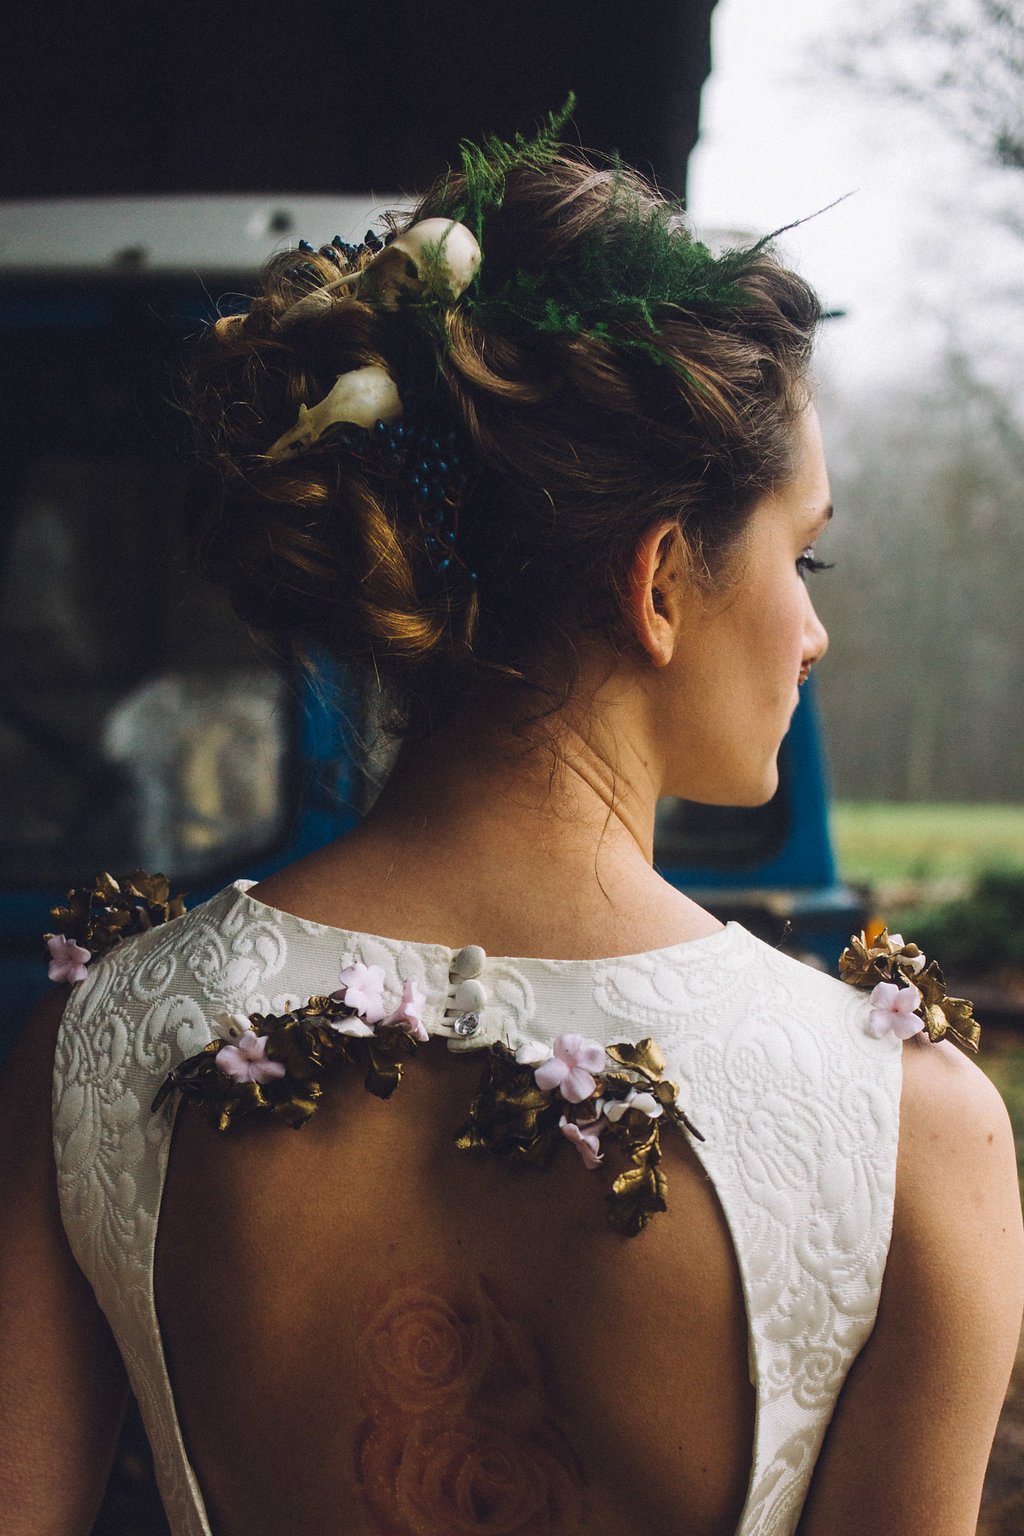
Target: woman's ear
x,y
657,591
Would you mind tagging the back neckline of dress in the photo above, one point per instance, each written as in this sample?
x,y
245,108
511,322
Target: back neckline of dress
x,y
723,938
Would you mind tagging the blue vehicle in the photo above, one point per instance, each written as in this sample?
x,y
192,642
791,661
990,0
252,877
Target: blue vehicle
x,y
139,723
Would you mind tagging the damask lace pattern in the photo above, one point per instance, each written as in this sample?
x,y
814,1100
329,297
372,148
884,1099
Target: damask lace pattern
x,y
798,1107
800,1114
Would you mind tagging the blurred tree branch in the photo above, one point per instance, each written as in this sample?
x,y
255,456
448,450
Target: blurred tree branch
x,y
962,60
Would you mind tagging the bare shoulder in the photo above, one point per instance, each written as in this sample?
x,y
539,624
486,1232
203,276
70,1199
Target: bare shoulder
x,y
61,1381
935,1370
26,1075
956,1174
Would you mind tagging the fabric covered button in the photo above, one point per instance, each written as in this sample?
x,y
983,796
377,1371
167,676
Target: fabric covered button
x,y
468,962
470,996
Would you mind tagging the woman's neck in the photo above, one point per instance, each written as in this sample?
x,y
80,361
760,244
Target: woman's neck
x,y
477,779
483,835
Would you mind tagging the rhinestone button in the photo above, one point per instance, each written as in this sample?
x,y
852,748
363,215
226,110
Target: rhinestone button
x,y
468,962
467,1024
470,996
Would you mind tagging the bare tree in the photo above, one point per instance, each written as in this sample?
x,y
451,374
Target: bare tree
x,y
963,60
923,678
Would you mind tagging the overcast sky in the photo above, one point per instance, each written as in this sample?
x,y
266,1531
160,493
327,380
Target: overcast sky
x,y
781,136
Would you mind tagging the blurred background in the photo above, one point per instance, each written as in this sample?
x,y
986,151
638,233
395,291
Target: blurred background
x,y
152,161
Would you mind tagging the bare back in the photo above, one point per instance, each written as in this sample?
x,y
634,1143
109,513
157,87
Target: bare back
x,y
369,1331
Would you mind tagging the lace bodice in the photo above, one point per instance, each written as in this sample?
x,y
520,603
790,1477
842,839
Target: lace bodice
x,y
797,1103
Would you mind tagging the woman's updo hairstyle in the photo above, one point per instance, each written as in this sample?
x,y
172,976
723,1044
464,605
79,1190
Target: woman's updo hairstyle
x,y
604,374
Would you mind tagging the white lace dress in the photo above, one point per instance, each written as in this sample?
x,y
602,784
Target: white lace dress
x,y
798,1105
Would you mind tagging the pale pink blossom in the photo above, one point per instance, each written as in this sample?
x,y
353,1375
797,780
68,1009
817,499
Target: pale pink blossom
x,y
68,960
892,1011
409,1013
247,1061
635,1099
586,1138
570,1067
362,988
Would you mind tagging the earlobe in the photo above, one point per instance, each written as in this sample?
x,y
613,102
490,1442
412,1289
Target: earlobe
x,y
654,592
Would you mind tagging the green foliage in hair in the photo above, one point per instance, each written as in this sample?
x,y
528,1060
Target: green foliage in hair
x,y
485,166
633,266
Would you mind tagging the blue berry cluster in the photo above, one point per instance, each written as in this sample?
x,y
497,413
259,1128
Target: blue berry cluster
x,y
434,466
342,254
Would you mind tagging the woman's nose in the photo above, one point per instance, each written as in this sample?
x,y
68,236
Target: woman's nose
x,y
815,638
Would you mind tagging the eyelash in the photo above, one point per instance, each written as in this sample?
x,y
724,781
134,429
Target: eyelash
x,y
806,562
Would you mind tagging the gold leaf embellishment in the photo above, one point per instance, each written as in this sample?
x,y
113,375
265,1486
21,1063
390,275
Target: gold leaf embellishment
x,y
512,1117
100,915
308,1048
888,959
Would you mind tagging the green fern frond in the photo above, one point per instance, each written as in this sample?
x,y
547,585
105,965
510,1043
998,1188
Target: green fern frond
x,y
485,166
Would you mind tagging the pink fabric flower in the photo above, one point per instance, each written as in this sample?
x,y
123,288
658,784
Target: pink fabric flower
x,y
570,1068
68,960
892,1011
585,1138
362,988
247,1061
409,1013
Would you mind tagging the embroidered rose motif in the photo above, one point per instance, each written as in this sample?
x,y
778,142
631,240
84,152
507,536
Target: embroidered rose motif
x,y
892,1011
68,960
570,1068
247,1061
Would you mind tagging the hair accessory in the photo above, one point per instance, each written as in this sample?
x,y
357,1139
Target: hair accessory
x,y
434,259
360,398
435,466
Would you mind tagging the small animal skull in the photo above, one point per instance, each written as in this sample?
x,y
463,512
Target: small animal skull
x,y
435,258
362,397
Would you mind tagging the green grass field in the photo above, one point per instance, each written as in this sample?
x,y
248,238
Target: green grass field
x,y
1002,1059
934,848
886,843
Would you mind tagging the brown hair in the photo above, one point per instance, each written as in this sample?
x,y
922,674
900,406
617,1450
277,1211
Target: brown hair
x,y
581,444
